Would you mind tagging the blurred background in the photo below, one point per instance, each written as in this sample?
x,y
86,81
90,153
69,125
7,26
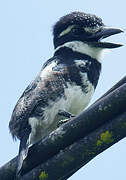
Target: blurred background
x,y
26,42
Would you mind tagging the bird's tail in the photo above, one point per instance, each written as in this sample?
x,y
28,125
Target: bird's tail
x,y
23,151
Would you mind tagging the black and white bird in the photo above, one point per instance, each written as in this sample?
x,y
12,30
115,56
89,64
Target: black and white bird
x,y
66,81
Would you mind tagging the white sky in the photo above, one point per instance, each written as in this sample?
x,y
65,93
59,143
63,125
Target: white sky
x,y
26,42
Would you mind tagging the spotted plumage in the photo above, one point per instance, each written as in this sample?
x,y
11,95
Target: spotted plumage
x,y
66,81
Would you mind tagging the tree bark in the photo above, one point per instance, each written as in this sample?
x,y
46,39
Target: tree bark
x,y
72,158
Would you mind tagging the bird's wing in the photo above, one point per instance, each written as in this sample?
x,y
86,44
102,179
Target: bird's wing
x,y
48,85
23,108
18,125
39,91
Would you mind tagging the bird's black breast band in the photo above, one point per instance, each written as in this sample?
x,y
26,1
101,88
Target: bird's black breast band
x,y
67,56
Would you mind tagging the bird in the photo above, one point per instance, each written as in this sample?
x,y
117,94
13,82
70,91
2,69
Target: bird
x,y
67,81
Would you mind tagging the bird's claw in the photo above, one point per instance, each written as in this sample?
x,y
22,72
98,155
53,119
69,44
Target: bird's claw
x,y
62,121
65,114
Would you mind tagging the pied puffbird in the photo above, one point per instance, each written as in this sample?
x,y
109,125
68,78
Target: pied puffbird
x,y
66,82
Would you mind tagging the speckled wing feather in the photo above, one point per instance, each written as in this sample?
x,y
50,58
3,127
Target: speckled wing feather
x,y
38,92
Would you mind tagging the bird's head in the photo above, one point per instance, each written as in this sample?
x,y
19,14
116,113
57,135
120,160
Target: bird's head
x,y
82,27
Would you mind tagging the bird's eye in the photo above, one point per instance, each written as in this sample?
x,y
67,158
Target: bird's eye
x,y
76,31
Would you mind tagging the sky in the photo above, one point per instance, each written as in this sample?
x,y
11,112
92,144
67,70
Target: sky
x,y
26,42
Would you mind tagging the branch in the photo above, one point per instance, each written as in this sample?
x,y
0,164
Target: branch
x,y
72,158
117,85
105,109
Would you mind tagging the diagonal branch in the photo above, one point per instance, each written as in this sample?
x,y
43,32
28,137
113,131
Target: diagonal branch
x,y
72,158
116,86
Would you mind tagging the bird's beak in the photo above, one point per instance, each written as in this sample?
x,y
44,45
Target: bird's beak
x,y
105,32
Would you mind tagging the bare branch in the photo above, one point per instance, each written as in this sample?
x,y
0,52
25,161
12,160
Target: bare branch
x,y
72,158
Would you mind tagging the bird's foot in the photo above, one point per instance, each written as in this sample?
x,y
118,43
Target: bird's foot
x,y
62,121
65,114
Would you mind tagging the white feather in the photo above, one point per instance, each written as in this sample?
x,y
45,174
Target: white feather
x,y
66,31
84,48
45,73
74,101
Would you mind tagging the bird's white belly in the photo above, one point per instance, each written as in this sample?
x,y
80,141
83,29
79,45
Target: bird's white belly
x,y
73,101
76,99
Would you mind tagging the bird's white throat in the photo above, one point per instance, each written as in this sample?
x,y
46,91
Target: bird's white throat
x,y
84,48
